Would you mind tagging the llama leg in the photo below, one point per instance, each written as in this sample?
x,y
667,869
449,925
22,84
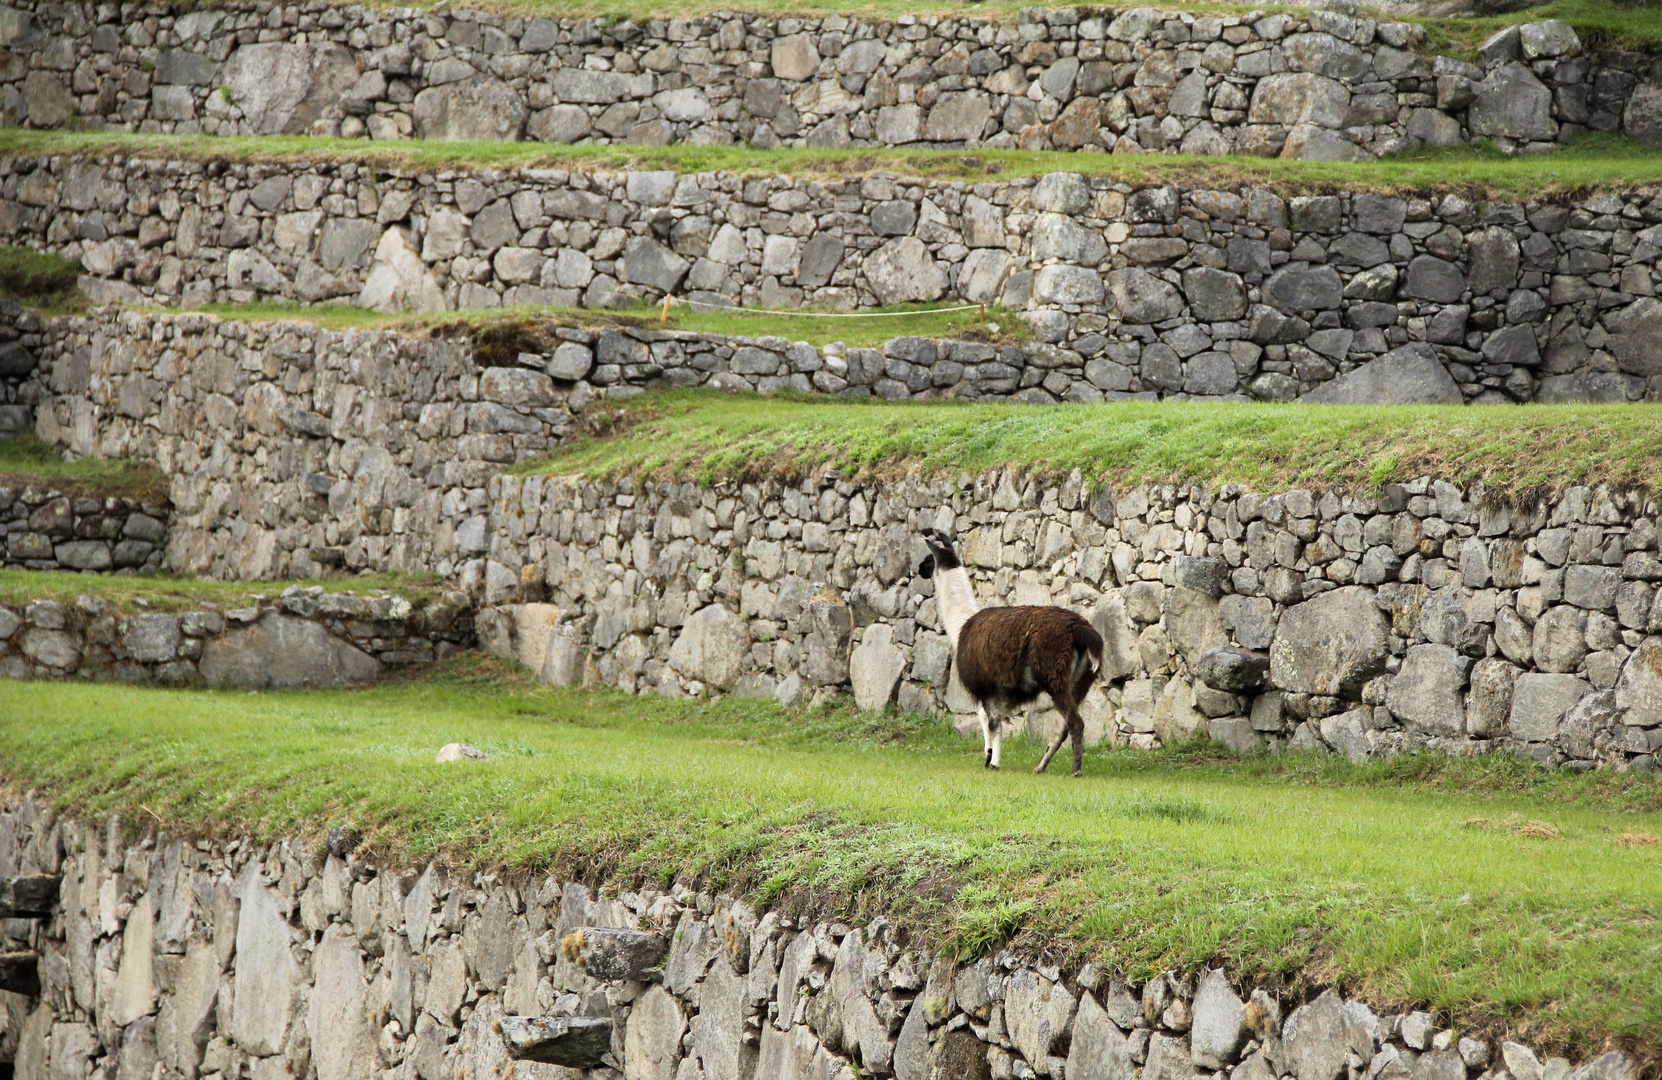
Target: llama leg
x,y
986,739
1064,705
998,741
1076,731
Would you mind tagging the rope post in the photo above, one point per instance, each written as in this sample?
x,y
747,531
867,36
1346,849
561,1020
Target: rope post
x,y
983,315
669,298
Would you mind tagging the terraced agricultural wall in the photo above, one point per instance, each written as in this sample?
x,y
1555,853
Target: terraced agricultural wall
x,y
1163,290
228,960
1420,618
305,638
1324,85
43,529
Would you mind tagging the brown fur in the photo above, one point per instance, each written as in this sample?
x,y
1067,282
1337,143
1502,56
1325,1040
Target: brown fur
x,y
1009,655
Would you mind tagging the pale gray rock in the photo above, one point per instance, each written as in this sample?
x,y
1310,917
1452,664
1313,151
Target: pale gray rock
x,y
1331,644
574,1042
1560,640
59,649
1316,1043
1409,375
264,991
1214,295
712,647
450,753
135,980
611,953
343,1047
1037,1013
1642,117
284,89
1304,288
1233,670
652,1039
1137,296
875,667
1539,702
1636,336
959,116
1061,193
285,652
1060,283
647,262
1299,98
1489,704
902,270
1511,103
398,279
1218,1028
1427,692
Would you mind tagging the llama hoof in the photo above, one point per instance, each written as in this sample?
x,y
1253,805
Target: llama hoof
x,y
1077,774
1038,770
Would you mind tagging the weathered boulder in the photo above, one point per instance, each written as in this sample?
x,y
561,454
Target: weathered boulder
x,y
1305,288
284,652
1214,295
794,57
652,1040
450,753
1489,704
1137,296
647,262
1330,644
1426,693
478,108
1218,1029
265,991
1300,98
1060,283
1512,104
876,667
576,1042
711,647
609,953
959,116
1642,118
1316,1042
1409,375
1639,690
901,271
1234,670
285,89
1434,279
1539,702
1636,336
398,279
343,1046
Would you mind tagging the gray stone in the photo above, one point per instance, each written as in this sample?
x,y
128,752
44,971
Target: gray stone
x,y
586,87
959,116
1233,670
185,1018
398,279
1539,702
1214,295
264,993
135,981
794,57
647,262
875,667
559,124
1330,644
1061,193
284,652
1642,118
575,1042
451,753
1591,727
1060,283
712,647
343,1047
1218,1029
1409,375
1639,690
1636,336
911,1050
46,101
1301,98
1304,288
1492,260
481,107
1489,704
285,89
1547,39
1512,104
1316,1043
570,362
1037,1013
59,649
652,1039
612,954
1426,693
1434,279
1137,296
152,639
1560,640
1058,236
902,270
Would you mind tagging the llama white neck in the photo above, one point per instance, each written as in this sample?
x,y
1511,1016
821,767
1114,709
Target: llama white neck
x,y
957,599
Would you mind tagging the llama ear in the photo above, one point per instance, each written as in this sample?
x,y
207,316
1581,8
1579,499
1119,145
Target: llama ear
x,y
926,568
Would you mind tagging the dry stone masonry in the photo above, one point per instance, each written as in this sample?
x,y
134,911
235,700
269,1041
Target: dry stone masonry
x,y
42,529
19,336
1329,85
1421,617
218,961
305,638
1167,290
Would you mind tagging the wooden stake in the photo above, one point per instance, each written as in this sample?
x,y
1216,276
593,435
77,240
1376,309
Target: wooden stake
x,y
669,299
983,316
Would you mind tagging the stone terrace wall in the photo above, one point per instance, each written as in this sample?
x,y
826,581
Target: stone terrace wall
x,y
1166,289
42,529
344,970
19,335
305,638
1324,85
1423,617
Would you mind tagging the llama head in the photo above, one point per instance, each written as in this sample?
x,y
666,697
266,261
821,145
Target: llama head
x,y
941,554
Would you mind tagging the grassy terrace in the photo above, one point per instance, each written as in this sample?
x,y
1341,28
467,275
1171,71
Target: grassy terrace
x,y
1592,163
1506,895
26,460
163,593
1517,452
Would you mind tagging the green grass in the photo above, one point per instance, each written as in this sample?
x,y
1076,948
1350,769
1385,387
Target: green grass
x,y
1593,163
1601,24
872,326
162,593
26,460
1297,870
1518,452
36,280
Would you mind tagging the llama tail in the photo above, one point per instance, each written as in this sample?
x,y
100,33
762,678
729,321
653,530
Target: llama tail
x,y
1086,640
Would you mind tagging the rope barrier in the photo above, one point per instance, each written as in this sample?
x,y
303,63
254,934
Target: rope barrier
x,y
669,300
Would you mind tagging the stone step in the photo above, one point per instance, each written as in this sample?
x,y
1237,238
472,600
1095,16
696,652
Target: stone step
x,y
32,896
576,1042
20,973
610,954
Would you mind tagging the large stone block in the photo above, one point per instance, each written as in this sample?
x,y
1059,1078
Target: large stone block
x,y
1410,375
1331,644
285,89
902,270
711,647
1301,98
1512,104
1539,702
285,652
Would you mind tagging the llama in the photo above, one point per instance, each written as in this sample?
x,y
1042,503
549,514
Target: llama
x,y
1007,656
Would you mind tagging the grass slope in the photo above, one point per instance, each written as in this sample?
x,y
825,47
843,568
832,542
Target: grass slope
x,y
25,460
871,326
41,281
1591,163
161,593
1419,881
1517,452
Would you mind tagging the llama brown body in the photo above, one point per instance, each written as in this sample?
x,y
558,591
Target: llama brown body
x,y
1008,656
